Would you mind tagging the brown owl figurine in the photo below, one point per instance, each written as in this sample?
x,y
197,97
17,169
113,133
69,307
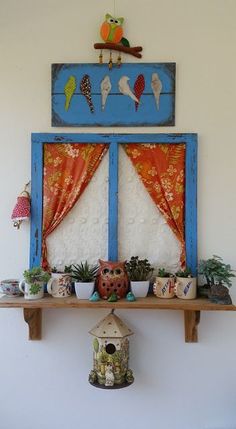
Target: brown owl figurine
x,y
112,277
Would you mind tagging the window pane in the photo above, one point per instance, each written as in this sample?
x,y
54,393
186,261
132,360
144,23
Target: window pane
x,y
143,231
83,233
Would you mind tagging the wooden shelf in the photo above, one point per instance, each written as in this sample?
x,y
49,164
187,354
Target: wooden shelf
x,y
191,308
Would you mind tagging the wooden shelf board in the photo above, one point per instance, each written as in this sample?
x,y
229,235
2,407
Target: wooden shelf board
x,y
150,302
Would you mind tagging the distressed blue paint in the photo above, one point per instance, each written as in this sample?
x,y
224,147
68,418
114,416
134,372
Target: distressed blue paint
x,y
119,109
36,204
113,202
191,203
190,140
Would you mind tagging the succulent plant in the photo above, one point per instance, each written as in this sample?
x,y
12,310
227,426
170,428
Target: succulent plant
x,y
36,274
163,273
84,272
184,273
138,269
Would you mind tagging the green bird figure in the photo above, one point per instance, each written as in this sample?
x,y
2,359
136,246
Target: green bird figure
x,y
69,90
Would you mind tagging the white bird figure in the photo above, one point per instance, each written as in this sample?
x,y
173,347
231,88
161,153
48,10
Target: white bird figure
x,y
105,90
125,88
156,87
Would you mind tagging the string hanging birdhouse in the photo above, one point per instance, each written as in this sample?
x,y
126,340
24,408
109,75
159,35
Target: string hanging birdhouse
x,y
21,210
111,354
111,32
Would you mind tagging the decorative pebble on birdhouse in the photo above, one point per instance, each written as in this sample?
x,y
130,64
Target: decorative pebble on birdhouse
x,y
111,354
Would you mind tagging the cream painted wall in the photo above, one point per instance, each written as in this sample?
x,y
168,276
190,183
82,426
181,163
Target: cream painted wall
x,y
178,385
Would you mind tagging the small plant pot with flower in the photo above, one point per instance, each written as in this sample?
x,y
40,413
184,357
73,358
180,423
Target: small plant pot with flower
x,y
84,276
33,283
218,276
139,272
60,283
164,286
185,285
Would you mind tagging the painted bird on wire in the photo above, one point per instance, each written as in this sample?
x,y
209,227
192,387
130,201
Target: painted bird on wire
x,y
112,32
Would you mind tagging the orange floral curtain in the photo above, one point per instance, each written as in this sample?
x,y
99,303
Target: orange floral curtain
x,y
161,167
68,168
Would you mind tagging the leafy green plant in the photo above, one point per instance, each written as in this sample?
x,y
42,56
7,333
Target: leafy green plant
x,y
84,272
138,269
163,273
36,274
184,273
216,271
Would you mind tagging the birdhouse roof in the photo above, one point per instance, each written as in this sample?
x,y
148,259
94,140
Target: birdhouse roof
x,y
111,327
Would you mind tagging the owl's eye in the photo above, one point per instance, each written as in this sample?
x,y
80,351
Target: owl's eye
x,y
105,271
117,271
111,20
116,22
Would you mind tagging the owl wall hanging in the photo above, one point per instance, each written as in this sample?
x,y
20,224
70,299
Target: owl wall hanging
x,y
111,32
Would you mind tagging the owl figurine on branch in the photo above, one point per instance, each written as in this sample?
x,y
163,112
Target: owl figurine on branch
x,y
111,32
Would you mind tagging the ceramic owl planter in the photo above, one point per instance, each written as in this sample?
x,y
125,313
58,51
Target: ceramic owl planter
x,y
112,278
111,354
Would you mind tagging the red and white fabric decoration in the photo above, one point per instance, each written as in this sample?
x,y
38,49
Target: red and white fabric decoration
x,y
21,210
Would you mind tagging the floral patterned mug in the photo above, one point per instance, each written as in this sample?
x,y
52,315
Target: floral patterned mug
x,y
60,285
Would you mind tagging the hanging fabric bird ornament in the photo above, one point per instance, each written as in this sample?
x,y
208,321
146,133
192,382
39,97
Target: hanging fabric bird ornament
x,y
21,210
85,88
69,90
125,88
111,30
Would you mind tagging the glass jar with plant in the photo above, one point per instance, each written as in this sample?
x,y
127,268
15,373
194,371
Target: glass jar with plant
x,y
218,277
139,272
33,284
84,275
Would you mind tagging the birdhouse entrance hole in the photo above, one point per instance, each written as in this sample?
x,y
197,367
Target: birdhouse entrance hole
x,y
110,348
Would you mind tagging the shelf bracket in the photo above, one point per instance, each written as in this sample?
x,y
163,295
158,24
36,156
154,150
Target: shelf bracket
x,y
33,316
191,322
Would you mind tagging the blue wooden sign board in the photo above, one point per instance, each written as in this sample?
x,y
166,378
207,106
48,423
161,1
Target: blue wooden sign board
x,y
155,107
113,140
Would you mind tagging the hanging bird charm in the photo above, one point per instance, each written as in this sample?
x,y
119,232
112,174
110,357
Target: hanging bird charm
x,y
85,88
111,32
124,88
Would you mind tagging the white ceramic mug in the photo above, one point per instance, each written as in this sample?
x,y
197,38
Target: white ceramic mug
x,y
164,287
186,288
32,290
59,285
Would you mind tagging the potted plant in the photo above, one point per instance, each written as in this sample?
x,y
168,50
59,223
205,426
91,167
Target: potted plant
x,y
84,275
218,279
33,284
139,272
164,285
186,284
60,283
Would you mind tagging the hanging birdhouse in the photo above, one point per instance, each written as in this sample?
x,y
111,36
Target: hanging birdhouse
x,y
111,354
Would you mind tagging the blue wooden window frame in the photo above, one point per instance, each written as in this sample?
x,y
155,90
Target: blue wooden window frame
x,y
114,140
